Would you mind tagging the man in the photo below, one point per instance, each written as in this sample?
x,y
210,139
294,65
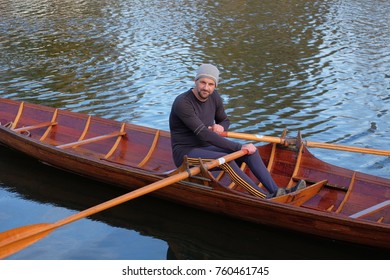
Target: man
x,y
196,121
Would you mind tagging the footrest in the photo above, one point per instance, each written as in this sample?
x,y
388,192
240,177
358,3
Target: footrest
x,y
299,197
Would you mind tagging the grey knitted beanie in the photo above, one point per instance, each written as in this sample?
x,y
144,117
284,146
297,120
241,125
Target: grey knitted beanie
x,y
208,71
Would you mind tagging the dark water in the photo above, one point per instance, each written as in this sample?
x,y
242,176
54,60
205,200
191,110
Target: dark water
x,y
319,67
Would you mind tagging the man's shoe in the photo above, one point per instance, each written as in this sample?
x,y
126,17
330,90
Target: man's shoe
x,y
299,186
281,191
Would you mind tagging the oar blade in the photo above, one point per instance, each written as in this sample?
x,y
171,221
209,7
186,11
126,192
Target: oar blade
x,y
16,239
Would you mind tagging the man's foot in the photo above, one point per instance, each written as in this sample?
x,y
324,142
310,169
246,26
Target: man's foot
x,y
281,191
299,186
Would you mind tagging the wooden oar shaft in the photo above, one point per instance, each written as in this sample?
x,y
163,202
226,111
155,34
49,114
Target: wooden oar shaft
x,y
312,144
347,148
14,240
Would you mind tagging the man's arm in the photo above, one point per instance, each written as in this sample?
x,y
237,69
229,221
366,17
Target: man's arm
x,y
186,113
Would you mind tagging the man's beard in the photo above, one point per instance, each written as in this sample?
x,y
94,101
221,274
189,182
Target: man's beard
x,y
203,95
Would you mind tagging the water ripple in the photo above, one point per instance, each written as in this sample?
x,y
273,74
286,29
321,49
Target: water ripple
x,y
318,67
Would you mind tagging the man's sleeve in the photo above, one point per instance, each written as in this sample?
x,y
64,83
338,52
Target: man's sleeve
x,y
187,115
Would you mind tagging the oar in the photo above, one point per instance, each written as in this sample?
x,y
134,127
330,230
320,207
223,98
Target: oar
x,y
279,140
14,240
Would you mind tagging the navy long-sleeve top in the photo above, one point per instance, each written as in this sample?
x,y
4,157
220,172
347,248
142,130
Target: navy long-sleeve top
x,y
189,121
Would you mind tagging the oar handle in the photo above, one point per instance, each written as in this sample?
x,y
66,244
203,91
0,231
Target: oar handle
x,y
253,137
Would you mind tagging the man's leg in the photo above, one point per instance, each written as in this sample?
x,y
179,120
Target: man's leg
x,y
237,175
258,168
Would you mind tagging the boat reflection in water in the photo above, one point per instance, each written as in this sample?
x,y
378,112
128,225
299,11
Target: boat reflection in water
x,y
189,233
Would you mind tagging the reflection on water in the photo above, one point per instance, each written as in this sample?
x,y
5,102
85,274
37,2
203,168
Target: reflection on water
x,y
320,67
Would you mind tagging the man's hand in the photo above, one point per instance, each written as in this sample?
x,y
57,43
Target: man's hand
x,y
250,147
216,128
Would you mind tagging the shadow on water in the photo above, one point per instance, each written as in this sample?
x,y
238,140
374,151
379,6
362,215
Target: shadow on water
x,y
193,234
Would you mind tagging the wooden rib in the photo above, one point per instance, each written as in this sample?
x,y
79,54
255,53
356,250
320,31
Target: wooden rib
x,y
32,127
272,158
53,121
329,209
220,175
118,140
91,140
270,162
18,115
151,150
297,166
86,127
273,151
351,184
371,210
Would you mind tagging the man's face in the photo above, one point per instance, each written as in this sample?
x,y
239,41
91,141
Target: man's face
x,y
204,87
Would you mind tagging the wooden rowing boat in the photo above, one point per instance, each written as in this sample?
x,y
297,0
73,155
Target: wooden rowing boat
x,y
192,235
338,204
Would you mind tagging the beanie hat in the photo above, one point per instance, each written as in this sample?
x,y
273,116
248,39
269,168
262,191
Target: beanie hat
x,y
208,71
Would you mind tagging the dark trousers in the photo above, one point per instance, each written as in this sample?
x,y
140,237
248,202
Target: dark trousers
x,y
254,162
